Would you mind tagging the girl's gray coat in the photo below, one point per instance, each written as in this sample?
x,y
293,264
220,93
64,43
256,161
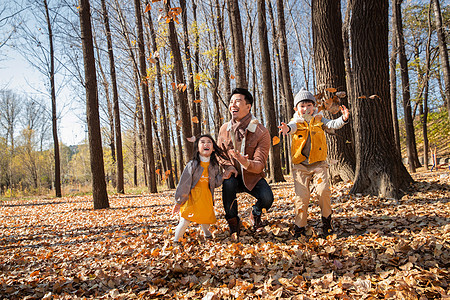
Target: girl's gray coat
x,y
191,175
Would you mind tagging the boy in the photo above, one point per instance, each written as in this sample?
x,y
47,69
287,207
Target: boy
x,y
309,152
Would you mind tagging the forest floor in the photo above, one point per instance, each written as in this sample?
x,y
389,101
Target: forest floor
x,y
60,248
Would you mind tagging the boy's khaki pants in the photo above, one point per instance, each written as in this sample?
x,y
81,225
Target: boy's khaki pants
x,y
304,177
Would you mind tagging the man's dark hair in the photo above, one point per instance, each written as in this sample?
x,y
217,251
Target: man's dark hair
x,y
247,95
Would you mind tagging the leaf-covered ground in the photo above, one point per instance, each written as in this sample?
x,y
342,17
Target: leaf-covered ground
x,y
63,249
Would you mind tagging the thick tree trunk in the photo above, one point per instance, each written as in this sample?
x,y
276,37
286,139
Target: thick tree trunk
x,y
275,162
53,95
330,73
409,126
379,170
180,92
145,100
443,57
238,44
162,105
117,128
93,120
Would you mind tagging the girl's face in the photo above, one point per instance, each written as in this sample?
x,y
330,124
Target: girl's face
x,y
305,108
205,146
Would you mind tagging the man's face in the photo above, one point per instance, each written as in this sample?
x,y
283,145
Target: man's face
x,y
305,108
238,107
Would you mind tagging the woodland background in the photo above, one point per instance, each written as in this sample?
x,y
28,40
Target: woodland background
x,y
189,55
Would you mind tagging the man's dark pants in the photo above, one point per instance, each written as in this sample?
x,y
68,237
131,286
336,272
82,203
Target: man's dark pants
x,y
262,192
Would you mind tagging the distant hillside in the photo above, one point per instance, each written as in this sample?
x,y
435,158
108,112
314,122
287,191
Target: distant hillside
x,y
438,134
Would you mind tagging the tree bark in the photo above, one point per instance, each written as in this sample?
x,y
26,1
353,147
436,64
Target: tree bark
x,y
93,120
53,95
117,128
393,84
284,56
275,161
238,44
180,92
145,100
443,52
162,105
196,126
409,126
379,170
330,73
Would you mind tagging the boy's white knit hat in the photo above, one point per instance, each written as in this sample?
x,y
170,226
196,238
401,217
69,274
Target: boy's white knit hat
x,y
303,94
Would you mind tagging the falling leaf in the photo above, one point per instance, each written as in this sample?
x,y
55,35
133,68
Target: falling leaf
x,y
194,119
232,76
157,171
147,8
191,139
197,77
331,90
167,172
362,97
341,94
151,60
373,97
174,85
275,140
179,123
197,101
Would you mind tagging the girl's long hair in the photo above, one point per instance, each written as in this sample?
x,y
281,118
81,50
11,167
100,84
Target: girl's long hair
x,y
218,152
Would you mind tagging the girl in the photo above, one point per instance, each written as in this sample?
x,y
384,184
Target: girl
x,y
195,192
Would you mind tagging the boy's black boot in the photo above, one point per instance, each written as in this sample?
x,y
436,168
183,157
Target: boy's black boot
x,y
327,229
299,231
235,225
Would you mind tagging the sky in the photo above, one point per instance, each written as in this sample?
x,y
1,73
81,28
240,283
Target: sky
x,y
17,74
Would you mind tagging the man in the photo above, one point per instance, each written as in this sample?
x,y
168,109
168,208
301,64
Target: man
x,y
247,143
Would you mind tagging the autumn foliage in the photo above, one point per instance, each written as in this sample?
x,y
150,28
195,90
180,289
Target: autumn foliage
x,y
63,249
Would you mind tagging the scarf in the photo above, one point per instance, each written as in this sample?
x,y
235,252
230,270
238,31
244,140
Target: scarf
x,y
238,127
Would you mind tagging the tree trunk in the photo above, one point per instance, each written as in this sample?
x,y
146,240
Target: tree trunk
x,y
330,73
409,126
443,52
145,100
180,92
196,126
165,125
347,59
275,161
223,52
99,192
238,44
379,170
197,105
425,96
393,86
116,109
284,56
53,95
